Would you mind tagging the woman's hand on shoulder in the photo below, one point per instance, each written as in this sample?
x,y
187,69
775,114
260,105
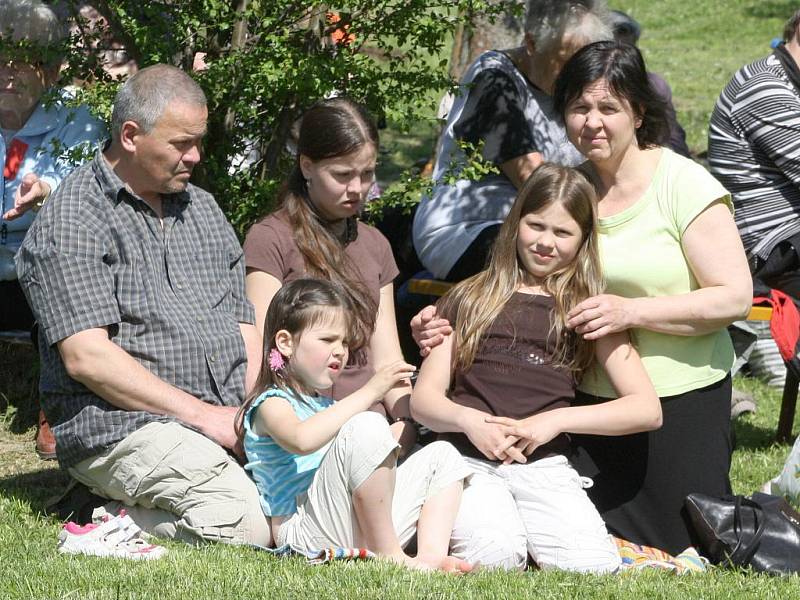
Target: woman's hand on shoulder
x,y
600,315
531,432
428,330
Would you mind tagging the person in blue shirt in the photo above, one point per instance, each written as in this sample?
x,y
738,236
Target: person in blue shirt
x,y
37,140
326,470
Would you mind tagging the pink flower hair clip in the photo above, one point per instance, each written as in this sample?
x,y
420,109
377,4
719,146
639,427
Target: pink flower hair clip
x,y
276,360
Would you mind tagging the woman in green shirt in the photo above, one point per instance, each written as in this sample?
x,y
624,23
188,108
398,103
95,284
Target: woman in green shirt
x,y
676,276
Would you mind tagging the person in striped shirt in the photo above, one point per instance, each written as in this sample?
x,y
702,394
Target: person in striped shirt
x,y
754,151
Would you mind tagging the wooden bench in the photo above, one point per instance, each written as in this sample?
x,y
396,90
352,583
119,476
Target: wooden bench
x,y
435,287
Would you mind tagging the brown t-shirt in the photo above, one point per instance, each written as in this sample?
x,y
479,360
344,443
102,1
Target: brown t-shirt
x,y
513,375
270,247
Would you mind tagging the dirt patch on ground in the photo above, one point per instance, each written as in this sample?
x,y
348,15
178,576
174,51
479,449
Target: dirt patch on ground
x,y
23,475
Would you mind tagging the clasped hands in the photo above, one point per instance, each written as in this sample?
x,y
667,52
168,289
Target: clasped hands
x,y
510,440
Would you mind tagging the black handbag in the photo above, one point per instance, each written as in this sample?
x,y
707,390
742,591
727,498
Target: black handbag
x,y
762,532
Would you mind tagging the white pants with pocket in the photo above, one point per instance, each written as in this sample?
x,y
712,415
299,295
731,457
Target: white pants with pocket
x,y
325,516
541,508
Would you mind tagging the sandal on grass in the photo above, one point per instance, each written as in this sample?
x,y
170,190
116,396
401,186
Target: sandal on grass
x,y
115,536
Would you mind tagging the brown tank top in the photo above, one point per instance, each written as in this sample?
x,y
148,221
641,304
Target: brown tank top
x,y
513,375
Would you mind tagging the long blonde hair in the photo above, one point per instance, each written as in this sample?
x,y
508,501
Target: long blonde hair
x,y
477,301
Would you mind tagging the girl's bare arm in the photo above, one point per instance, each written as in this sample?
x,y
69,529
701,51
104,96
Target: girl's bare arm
x,y
277,419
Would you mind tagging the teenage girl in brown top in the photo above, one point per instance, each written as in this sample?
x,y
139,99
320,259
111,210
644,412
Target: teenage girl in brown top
x,y
315,233
501,387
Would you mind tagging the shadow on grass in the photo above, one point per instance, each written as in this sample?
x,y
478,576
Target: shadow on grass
x,y
19,383
772,9
37,488
753,436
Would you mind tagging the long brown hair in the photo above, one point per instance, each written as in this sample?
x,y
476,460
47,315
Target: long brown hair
x,y
298,305
477,301
329,129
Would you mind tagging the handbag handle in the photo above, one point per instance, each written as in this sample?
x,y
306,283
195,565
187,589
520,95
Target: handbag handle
x,y
743,552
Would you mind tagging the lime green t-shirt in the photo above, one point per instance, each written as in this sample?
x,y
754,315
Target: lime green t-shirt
x,y
642,256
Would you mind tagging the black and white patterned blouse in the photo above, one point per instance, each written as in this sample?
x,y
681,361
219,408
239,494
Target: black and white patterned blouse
x,y
754,151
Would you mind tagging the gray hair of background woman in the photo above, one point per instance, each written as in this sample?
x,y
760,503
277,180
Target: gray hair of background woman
x,y
144,97
33,21
547,21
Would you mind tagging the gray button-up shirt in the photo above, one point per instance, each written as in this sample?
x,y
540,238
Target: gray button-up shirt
x,y
171,295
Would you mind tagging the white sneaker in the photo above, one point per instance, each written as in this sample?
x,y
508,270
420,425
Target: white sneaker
x,y
100,515
108,538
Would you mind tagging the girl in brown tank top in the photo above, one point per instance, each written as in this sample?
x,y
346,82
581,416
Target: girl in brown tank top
x,y
500,388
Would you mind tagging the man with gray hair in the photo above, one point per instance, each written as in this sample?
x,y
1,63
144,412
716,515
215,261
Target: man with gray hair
x,y
137,281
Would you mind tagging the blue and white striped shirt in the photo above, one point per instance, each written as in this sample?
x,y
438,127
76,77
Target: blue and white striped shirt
x,y
281,476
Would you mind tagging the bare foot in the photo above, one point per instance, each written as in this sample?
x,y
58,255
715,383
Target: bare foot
x,y
410,563
448,564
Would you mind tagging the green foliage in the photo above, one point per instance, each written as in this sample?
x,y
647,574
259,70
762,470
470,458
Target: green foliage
x,y
403,194
475,167
409,189
268,60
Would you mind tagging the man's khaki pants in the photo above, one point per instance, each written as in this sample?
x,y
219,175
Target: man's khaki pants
x,y
177,483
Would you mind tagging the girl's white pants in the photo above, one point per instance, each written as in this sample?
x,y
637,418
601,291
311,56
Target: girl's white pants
x,y
541,508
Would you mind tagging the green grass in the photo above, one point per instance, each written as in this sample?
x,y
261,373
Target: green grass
x,y
33,569
696,45
400,152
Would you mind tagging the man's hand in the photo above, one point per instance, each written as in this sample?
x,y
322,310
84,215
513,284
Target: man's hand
x,y
31,192
428,330
217,422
